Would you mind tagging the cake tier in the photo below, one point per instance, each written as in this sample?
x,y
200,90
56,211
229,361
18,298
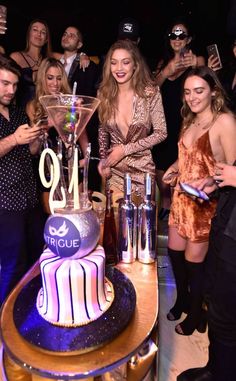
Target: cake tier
x,y
74,291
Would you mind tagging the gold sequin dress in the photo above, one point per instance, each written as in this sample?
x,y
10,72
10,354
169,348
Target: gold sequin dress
x,y
192,218
148,128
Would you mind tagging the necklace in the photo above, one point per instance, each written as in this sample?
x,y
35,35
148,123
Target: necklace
x,y
204,124
36,62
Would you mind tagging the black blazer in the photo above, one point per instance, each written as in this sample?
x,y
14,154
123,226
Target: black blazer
x,y
86,80
225,216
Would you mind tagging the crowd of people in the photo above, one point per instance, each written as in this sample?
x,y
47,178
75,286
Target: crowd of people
x,y
178,124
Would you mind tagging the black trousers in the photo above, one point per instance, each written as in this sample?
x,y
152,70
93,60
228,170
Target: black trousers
x,y
21,243
221,297
221,286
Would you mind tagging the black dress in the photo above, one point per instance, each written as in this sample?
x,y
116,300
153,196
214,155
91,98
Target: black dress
x,y
166,153
87,81
26,86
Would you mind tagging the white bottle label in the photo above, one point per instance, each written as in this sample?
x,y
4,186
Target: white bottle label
x,y
128,186
148,185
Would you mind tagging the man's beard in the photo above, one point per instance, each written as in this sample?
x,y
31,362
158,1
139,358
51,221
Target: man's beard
x,y
4,101
68,49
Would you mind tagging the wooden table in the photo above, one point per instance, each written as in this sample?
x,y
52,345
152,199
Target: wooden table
x,y
73,367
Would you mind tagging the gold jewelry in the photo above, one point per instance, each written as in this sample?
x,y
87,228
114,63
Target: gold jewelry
x,y
202,123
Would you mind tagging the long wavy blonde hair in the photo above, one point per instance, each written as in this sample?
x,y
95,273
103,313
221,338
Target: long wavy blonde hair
x,y
218,101
108,89
41,86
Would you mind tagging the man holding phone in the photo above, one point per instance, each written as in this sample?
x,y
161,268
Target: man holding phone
x,y
21,219
221,290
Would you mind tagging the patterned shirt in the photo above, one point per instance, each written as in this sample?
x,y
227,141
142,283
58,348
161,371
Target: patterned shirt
x,y
18,189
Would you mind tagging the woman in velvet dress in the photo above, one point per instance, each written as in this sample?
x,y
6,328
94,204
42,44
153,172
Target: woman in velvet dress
x,y
208,136
178,59
131,117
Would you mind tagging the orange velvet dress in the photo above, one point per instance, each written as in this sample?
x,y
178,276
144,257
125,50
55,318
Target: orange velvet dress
x,y
190,217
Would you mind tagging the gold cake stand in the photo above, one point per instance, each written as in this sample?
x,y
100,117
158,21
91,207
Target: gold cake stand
x,y
25,362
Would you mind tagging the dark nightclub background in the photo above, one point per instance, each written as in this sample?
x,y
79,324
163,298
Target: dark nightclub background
x,y
214,21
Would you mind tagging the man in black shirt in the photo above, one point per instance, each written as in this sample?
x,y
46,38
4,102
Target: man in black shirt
x,y
86,80
221,285
21,219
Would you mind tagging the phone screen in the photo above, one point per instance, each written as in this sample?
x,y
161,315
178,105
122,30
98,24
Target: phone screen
x,y
42,122
194,191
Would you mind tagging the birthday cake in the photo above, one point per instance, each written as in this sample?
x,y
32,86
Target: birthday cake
x,y
76,303
74,289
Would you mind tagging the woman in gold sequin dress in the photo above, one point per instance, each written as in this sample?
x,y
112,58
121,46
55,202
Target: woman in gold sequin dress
x,y
131,117
208,136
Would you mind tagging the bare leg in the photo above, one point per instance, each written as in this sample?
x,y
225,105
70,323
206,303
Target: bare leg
x,y
175,241
196,251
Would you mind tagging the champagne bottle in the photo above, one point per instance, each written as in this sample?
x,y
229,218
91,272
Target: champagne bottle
x,y
109,233
127,225
147,225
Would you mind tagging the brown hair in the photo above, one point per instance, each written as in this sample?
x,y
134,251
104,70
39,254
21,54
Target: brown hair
x,y
7,63
218,103
47,48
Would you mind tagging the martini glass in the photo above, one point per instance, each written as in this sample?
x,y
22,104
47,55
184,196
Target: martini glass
x,y
70,114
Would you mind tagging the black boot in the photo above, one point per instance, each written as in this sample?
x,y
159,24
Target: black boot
x,y
179,269
196,374
196,318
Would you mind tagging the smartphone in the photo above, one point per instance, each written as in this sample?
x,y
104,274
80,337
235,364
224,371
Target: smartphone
x,y
193,191
183,51
43,120
212,50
